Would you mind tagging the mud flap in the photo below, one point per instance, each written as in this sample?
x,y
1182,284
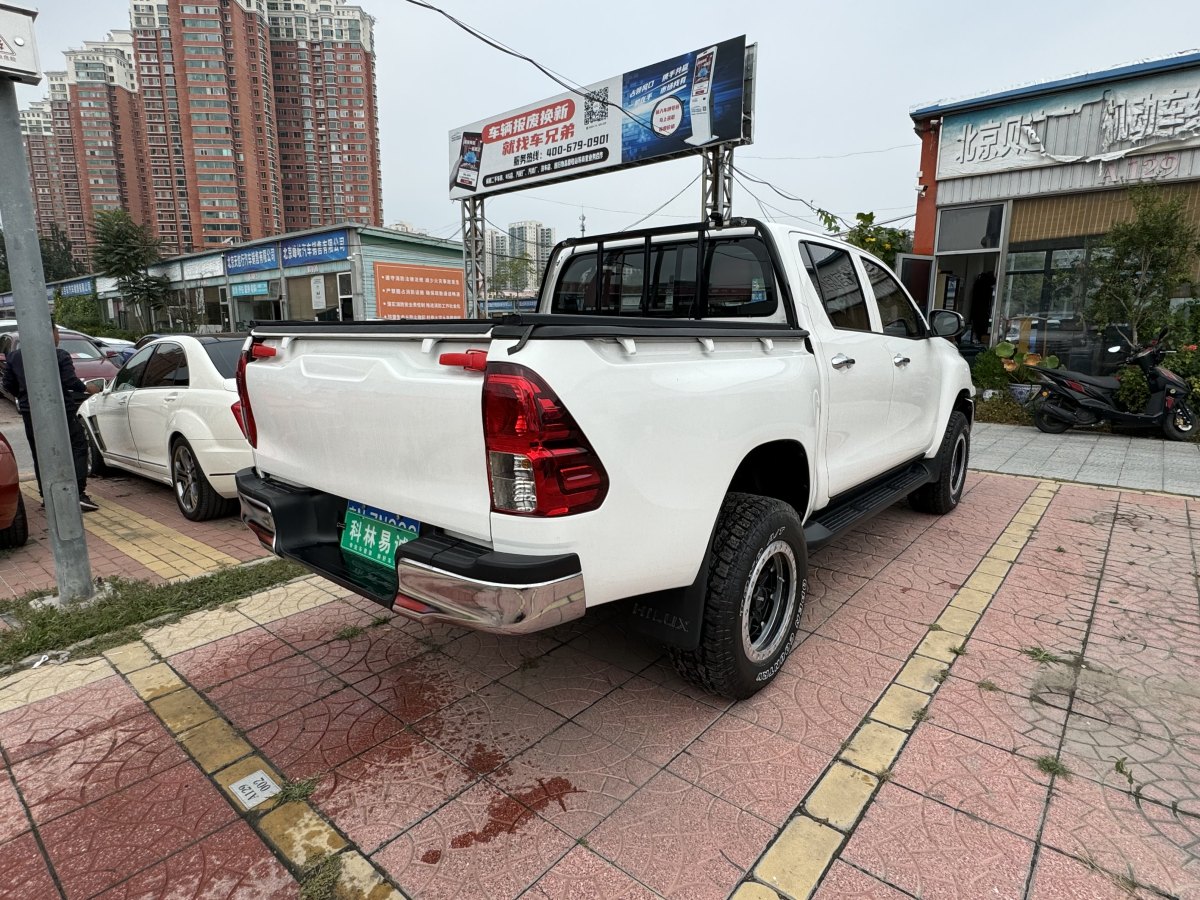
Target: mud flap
x,y
673,617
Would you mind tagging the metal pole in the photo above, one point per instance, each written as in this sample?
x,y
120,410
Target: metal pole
x,y
46,402
716,185
474,254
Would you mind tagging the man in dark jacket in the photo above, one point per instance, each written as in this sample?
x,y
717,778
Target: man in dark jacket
x,y
73,392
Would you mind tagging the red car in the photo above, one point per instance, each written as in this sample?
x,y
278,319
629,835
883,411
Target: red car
x,y
90,361
14,528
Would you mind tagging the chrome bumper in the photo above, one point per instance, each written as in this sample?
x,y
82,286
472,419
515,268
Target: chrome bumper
x,y
440,596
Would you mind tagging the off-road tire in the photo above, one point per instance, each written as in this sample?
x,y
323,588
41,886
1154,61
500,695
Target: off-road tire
x,y
941,495
1173,432
16,534
97,467
205,503
749,527
1047,423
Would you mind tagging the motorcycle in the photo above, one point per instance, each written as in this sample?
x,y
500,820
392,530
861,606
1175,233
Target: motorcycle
x,y
1069,399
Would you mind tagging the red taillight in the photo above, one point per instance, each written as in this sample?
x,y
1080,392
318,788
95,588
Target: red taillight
x,y
539,462
236,409
245,414
1076,386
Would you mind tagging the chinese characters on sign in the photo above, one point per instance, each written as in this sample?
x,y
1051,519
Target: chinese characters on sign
x,y
375,534
251,259
404,291
315,248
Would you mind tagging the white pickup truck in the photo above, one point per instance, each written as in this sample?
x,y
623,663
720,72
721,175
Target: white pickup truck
x,y
691,412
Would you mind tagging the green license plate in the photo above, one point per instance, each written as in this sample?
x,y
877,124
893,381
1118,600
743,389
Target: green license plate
x,y
374,534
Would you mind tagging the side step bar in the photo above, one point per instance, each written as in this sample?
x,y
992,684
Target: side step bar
x,y
855,508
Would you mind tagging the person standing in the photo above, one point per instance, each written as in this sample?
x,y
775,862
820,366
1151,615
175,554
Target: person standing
x,y
73,392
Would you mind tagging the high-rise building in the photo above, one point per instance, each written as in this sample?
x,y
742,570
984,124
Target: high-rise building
x,y
496,243
215,123
534,241
41,154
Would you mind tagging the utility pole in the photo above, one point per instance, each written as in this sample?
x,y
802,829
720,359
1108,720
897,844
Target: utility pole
x,y
46,402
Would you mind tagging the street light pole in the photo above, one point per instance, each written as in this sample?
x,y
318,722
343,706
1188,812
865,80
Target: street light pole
x,y
46,402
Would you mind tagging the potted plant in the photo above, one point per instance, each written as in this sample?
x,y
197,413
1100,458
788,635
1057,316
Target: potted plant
x,y
1018,365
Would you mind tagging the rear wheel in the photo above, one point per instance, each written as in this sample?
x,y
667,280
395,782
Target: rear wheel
x,y
97,467
17,533
757,582
942,494
195,496
1044,420
1180,423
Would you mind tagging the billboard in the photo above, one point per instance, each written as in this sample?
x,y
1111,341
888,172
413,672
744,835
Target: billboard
x,y
315,248
404,291
251,259
676,107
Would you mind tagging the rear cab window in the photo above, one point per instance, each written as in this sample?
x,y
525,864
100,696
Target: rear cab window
x,y
663,281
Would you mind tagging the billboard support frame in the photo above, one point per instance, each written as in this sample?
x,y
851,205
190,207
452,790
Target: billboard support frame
x,y
717,184
474,255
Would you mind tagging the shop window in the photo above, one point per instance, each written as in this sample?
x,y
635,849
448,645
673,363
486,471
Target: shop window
x,y
970,228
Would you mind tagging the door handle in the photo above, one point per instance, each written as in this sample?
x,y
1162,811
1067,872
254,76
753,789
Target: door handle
x,y
900,361
170,398
842,361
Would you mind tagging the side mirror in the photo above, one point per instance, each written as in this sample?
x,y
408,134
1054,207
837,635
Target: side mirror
x,y
946,323
99,383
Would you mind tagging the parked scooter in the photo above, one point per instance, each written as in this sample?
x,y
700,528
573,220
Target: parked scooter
x,y
1073,400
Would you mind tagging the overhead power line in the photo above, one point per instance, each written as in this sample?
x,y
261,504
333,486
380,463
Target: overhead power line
x,y
667,203
836,155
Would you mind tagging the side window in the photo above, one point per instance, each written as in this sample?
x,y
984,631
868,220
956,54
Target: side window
x,y
740,279
896,312
129,376
832,273
167,367
576,291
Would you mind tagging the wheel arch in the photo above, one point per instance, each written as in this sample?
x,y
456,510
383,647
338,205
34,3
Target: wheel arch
x,y
778,469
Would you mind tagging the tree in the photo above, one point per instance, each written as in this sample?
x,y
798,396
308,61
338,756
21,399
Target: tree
x,y
514,273
58,261
878,240
1140,264
124,249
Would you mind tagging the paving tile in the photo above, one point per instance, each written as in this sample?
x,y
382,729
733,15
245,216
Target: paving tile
x,y
1006,721
23,872
1050,581
232,864
933,851
488,727
319,625
387,789
602,775
13,820
1132,626
648,719
843,882
496,655
1124,836
816,715
991,784
46,724
288,600
231,657
196,630
100,845
1009,629
1155,603
850,562
1137,661
613,642
315,738
273,691
582,875
483,843
421,686
921,577
1014,672
1059,877
567,680
760,771
873,630
374,650
663,672
75,774
847,668
911,604
680,840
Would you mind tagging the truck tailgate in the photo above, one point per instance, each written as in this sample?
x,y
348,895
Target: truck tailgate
x,y
379,421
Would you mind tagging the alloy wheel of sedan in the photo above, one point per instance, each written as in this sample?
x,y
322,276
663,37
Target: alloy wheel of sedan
x,y
186,475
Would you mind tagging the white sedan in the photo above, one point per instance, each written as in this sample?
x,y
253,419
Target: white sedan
x,y
170,414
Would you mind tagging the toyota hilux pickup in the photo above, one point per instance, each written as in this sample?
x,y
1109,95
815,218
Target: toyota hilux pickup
x,y
690,412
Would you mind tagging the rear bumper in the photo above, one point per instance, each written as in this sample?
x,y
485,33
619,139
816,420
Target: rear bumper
x,y
436,578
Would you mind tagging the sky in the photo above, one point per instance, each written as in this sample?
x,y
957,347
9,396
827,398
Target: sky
x,y
835,84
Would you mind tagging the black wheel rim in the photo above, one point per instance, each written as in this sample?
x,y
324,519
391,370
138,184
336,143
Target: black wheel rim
x,y
187,478
768,605
1183,420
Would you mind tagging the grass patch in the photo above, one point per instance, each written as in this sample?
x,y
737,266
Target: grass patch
x,y
1121,767
986,685
1001,409
959,650
936,627
886,775
348,633
941,675
1052,765
319,879
921,715
115,619
297,790
379,620
1041,655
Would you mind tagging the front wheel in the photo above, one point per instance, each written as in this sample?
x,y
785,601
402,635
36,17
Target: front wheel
x,y
97,467
1047,422
757,582
942,494
195,496
1180,423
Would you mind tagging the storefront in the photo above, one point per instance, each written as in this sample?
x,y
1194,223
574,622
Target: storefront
x,y
1017,190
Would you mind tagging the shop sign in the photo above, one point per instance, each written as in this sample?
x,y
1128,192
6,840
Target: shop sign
x,y
317,285
676,107
82,287
1099,125
419,292
315,248
249,289
251,259
204,267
